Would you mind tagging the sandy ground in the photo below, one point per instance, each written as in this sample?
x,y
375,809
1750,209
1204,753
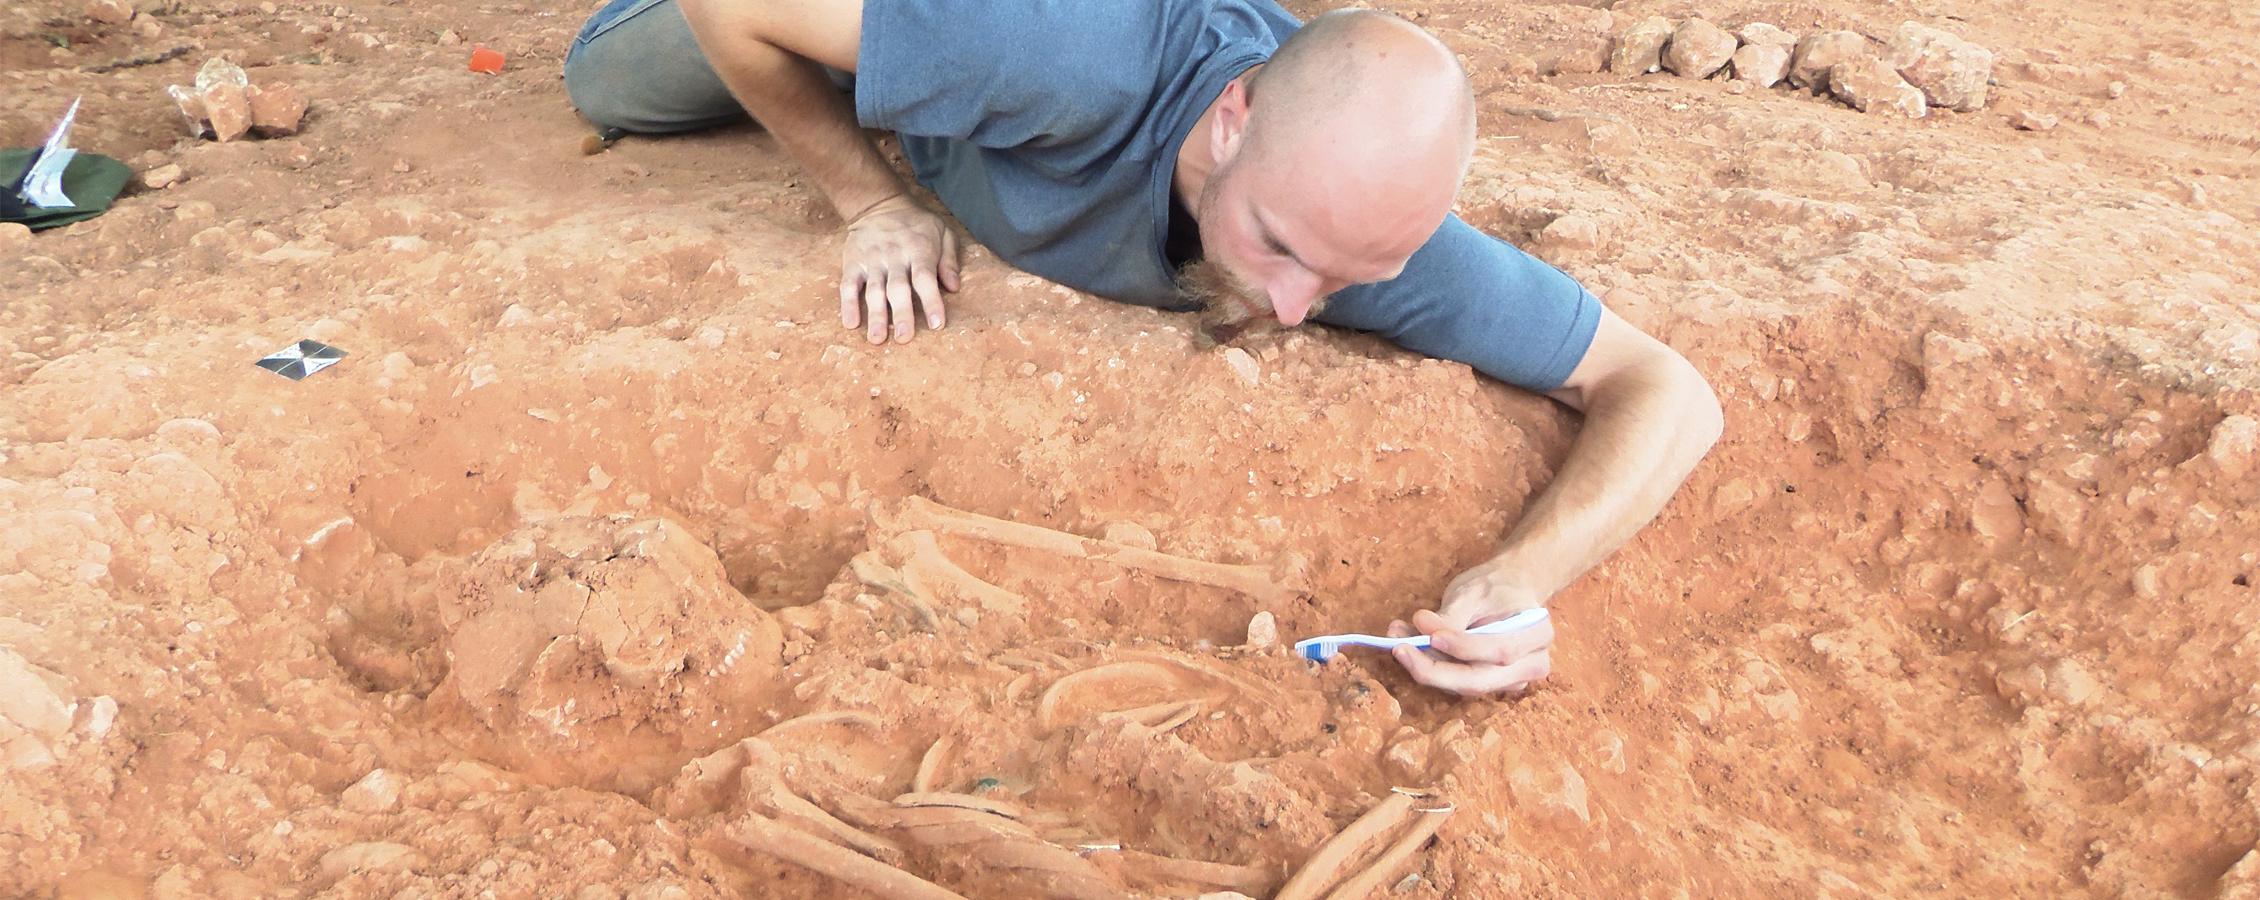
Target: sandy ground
x,y
1962,605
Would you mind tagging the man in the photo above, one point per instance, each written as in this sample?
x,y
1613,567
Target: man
x,y
1179,153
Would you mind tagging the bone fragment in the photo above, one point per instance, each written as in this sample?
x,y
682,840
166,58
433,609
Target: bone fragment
x,y
762,834
868,812
1200,667
930,766
1256,581
1012,811
759,765
931,575
811,818
820,719
1018,686
1162,717
1365,883
1251,880
1122,677
1062,871
873,573
986,832
960,827
1345,847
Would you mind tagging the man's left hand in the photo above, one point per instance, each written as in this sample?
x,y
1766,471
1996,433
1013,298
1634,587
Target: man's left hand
x,y
1473,665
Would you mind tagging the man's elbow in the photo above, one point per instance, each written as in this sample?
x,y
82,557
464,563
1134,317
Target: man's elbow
x,y
1703,422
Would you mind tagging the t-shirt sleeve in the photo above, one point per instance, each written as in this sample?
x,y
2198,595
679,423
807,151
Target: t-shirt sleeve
x,y
1469,297
1006,73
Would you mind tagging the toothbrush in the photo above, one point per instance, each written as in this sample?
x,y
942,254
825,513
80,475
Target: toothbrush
x,y
1324,647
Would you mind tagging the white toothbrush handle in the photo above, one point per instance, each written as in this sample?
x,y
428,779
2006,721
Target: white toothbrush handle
x,y
1517,622
1508,625
1329,645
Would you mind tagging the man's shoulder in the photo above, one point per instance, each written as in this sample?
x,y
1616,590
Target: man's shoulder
x,y
1023,73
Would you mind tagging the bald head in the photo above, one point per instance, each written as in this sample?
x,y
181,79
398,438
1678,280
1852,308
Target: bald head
x,y
1332,164
1363,89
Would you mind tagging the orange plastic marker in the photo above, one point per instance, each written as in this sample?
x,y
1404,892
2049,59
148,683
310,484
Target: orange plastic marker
x,y
486,60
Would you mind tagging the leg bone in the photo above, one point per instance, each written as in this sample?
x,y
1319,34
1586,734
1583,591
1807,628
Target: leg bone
x,y
762,834
1345,848
1265,584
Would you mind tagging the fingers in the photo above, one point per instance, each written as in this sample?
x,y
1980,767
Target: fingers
x,y
1474,664
899,298
1472,679
886,302
1428,622
929,294
1496,649
952,260
875,308
851,293
898,260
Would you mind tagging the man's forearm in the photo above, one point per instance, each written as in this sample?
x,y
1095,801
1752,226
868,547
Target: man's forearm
x,y
792,97
1643,434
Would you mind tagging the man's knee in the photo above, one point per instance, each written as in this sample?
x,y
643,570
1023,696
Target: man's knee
x,y
640,70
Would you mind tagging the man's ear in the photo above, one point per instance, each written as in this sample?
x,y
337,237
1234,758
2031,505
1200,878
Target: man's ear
x,y
1231,123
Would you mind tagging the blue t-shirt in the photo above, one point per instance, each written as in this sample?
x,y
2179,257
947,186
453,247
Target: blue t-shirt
x,y
1050,129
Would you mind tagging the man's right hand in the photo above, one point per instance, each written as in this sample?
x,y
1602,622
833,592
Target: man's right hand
x,y
898,253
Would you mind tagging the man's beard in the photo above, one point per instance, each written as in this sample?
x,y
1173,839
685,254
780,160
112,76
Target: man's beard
x,y
1228,306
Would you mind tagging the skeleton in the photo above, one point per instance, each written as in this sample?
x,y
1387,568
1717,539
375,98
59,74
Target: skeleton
x,y
787,807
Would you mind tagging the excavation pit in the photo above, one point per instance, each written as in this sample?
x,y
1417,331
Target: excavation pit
x,y
634,574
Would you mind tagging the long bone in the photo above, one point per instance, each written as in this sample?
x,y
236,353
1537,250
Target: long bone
x,y
990,837
927,575
763,776
1345,847
1251,880
762,834
1003,808
1270,585
1366,882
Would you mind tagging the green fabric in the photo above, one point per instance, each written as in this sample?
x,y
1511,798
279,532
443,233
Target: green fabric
x,y
91,181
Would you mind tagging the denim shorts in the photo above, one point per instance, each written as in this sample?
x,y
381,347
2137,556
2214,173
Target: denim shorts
x,y
635,66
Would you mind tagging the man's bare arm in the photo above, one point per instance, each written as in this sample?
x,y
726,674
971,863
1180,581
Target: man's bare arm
x,y
1649,418
771,54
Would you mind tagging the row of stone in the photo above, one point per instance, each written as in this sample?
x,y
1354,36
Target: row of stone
x,y
1922,67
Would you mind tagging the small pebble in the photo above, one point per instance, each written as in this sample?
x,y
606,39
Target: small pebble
x,y
163,177
1263,631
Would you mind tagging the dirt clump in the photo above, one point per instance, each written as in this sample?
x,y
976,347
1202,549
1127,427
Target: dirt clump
x,y
582,636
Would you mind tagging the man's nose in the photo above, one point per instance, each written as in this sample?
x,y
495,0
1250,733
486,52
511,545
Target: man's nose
x,y
1292,296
